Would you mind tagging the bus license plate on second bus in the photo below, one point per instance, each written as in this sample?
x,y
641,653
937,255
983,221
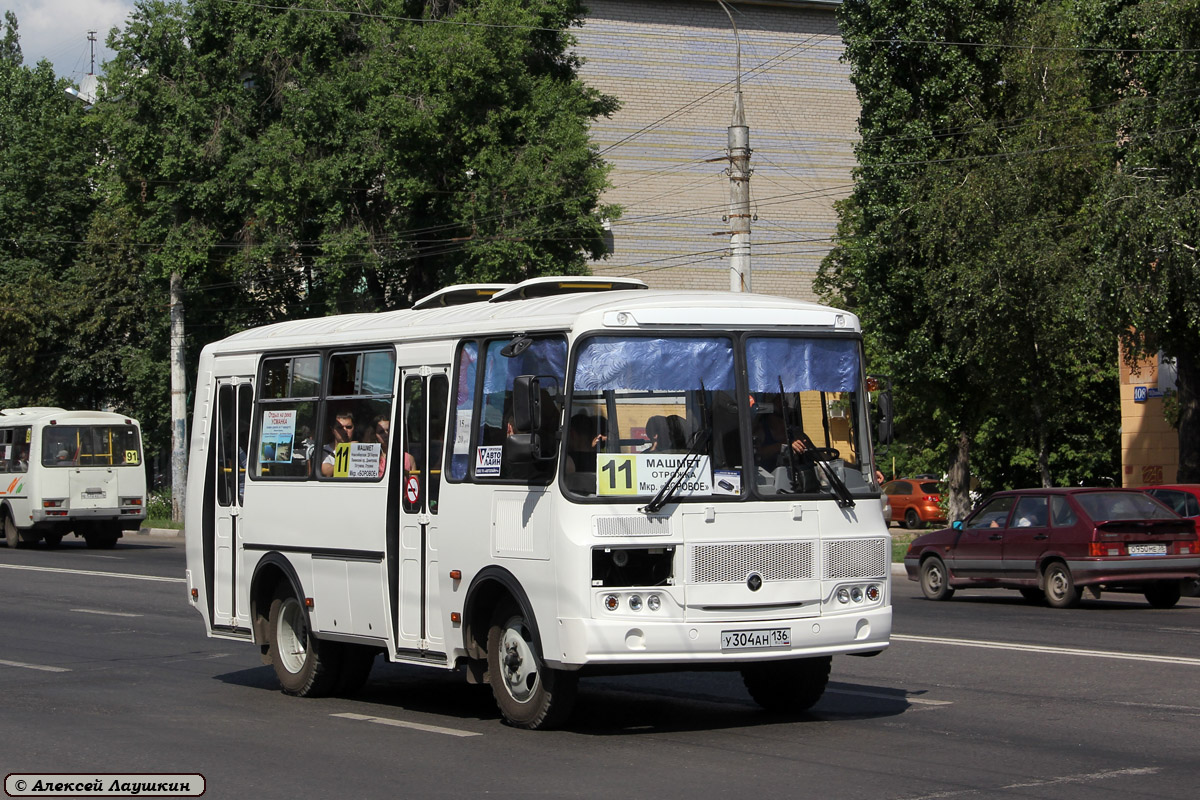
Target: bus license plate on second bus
x,y
752,640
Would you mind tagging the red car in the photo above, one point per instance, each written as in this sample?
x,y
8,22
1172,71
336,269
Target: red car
x,y
1048,543
916,502
1182,498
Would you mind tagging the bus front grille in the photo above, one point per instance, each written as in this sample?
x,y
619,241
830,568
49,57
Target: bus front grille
x,y
855,558
732,563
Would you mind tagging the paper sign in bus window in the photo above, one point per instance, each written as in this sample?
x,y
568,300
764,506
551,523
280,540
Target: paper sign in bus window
x,y
487,460
646,473
278,433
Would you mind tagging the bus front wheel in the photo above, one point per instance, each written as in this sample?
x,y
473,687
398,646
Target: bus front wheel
x,y
787,687
529,694
305,666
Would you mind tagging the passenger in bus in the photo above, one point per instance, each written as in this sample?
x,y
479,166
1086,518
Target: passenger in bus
x,y
778,460
339,433
656,432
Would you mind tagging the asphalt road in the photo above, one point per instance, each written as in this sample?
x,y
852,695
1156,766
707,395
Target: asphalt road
x,y
104,668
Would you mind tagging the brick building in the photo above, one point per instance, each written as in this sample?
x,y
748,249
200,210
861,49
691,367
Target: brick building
x,y
671,63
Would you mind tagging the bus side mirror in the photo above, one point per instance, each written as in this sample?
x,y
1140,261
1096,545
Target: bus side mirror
x,y
533,404
527,404
885,430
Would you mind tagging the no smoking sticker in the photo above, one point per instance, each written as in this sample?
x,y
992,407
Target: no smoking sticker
x,y
412,489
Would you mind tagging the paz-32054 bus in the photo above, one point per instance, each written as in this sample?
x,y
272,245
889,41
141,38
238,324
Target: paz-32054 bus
x,y
534,482
66,472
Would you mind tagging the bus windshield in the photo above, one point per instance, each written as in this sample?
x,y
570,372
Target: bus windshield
x,y
645,411
90,446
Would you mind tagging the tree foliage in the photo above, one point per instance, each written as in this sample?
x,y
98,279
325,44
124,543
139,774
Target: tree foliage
x,y
1148,210
964,243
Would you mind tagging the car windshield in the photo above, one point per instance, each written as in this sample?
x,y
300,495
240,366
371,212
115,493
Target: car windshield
x,y
647,411
1122,505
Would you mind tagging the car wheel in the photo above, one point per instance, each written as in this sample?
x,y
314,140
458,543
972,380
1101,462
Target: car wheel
x,y
1032,594
1164,594
787,687
935,581
1061,591
912,520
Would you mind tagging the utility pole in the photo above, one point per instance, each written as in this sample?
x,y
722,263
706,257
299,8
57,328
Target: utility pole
x,y
92,47
739,180
178,401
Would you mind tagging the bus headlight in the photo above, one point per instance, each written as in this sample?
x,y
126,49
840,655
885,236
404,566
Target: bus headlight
x,y
653,602
843,595
635,603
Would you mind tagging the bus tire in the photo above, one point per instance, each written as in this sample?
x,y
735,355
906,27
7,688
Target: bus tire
x,y
12,537
529,694
357,661
304,665
787,687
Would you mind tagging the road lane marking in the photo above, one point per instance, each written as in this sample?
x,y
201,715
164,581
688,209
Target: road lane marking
x,y
1061,651
399,723
1056,781
105,613
125,575
41,667
895,697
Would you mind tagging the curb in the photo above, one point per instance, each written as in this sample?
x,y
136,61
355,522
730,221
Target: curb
x,y
164,532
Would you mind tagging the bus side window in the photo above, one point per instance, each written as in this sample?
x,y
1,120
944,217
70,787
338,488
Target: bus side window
x,y
284,445
358,413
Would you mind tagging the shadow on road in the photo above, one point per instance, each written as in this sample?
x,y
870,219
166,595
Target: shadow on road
x,y
606,706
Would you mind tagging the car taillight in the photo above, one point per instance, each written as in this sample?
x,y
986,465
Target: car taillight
x,y
1186,547
1106,549
931,498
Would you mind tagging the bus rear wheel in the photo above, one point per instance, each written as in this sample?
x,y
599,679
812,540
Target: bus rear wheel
x,y
304,665
787,687
12,536
529,694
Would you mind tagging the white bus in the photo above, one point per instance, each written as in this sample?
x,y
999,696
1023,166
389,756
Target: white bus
x,y
70,472
587,476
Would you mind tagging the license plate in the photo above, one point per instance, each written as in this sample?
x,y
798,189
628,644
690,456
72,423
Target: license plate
x,y
94,494
756,640
1147,549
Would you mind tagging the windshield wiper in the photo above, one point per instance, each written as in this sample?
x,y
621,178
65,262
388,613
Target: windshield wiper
x,y
671,487
820,457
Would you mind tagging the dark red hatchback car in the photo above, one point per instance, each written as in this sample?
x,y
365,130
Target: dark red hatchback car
x,y
1049,543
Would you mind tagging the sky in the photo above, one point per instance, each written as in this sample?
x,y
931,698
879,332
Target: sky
x,y
57,30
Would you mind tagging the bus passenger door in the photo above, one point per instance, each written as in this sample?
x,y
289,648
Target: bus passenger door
x,y
422,418
231,425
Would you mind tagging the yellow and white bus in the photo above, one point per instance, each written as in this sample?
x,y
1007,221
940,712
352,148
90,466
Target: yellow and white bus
x,y
70,472
585,476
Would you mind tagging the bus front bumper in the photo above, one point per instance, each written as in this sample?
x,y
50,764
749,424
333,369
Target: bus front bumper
x,y
625,641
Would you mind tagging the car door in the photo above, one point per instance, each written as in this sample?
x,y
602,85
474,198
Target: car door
x,y
899,495
1027,537
978,552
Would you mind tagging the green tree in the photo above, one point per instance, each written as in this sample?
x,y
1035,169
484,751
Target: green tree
x,y
1147,214
45,200
962,243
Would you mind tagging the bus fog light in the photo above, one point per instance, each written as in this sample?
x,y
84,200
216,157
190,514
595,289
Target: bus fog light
x,y
653,602
635,603
856,594
873,593
611,602
843,595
